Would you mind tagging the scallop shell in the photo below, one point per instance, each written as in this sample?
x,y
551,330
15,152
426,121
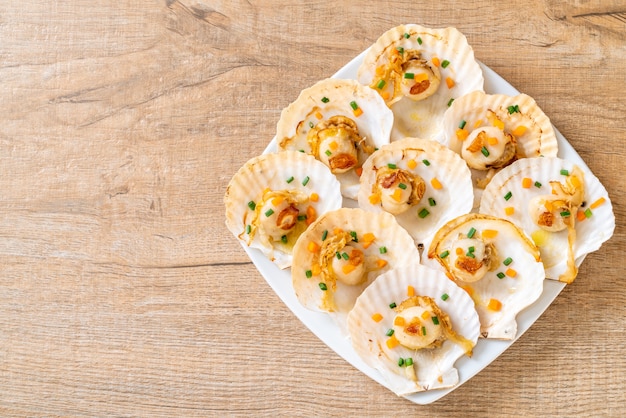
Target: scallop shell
x,y
289,171
448,185
591,231
519,115
445,51
330,98
389,246
434,367
498,300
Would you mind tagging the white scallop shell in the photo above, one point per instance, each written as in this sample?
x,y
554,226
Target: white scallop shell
x,y
591,233
471,112
374,124
397,249
434,367
271,171
454,198
424,118
514,293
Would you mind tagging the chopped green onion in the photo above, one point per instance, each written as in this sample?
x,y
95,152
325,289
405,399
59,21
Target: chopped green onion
x,y
538,185
284,239
471,232
252,205
450,102
435,320
444,296
248,229
269,212
485,151
308,274
338,255
323,286
392,166
408,361
382,250
353,105
507,261
345,256
426,162
565,213
410,76
513,109
508,196
324,235
462,124
432,202
564,172
302,217
471,249
419,40
328,152
392,305
500,275
423,330
402,186
301,150
470,254
400,362
381,84
444,254
445,63
325,99
406,35
306,180
290,179
389,332
423,213
400,49
588,213
311,125
354,237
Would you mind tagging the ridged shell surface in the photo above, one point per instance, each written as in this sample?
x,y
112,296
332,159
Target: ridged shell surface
x,y
441,173
342,253
594,221
513,275
290,183
517,117
372,318
316,107
441,57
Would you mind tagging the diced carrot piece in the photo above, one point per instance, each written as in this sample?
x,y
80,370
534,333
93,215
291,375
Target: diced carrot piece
x,y
436,61
411,164
397,195
399,321
462,134
314,197
494,305
319,115
377,317
381,263
435,183
358,171
313,247
478,123
347,268
421,77
277,200
333,145
425,315
316,270
509,210
519,131
374,199
385,95
580,216
410,291
526,183
392,342
449,82
510,272
491,140
459,251
597,203
468,289
489,233
357,112
311,215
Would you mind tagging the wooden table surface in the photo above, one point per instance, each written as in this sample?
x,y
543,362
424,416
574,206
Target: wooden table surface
x,y
122,293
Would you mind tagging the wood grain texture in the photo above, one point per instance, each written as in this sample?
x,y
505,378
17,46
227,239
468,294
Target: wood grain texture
x,y
122,293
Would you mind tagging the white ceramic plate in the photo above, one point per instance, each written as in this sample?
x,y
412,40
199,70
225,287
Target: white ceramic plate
x,y
326,330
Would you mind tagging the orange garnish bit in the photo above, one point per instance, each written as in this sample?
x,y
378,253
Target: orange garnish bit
x,y
313,247
468,289
459,251
425,315
397,195
374,199
435,183
478,123
462,134
509,210
318,115
367,239
526,183
314,197
392,342
348,268
398,321
436,61
449,82
277,200
489,233
357,112
492,140
381,263
597,203
358,171
311,215
410,291
337,231
385,95
316,270
377,317
411,164
519,131
510,273
421,77
580,216
494,305
333,146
